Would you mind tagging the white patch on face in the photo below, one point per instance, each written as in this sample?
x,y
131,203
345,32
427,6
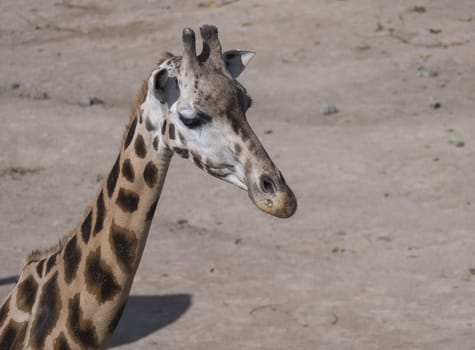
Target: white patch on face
x,y
153,109
152,105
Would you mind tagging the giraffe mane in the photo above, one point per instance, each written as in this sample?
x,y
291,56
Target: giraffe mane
x,y
136,105
40,254
143,94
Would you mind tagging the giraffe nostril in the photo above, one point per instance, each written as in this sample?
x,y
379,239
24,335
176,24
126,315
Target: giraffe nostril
x,y
267,185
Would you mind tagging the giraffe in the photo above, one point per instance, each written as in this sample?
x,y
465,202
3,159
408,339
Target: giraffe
x,y
71,296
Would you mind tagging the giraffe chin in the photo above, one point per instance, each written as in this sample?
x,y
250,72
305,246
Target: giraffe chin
x,y
281,204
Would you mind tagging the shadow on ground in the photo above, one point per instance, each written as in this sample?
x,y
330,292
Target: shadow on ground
x,y
144,314
8,280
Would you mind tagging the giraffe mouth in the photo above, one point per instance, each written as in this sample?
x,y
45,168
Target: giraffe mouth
x,y
225,172
219,171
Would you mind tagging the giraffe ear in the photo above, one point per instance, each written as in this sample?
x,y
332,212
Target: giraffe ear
x,y
237,60
165,88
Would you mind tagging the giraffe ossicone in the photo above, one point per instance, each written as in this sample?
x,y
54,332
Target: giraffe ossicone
x,y
71,295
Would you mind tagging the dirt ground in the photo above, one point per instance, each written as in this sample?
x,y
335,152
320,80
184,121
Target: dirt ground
x,y
381,252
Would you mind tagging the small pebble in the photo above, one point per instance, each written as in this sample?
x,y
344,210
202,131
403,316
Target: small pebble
x,y
434,104
465,19
419,9
15,85
41,96
90,101
182,222
337,250
460,144
328,109
97,101
425,72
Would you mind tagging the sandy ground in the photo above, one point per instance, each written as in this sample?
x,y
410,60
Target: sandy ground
x,y
381,253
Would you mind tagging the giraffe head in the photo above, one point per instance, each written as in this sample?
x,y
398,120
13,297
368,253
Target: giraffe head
x,y
200,108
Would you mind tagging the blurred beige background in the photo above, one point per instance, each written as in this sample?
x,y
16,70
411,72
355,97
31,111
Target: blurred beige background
x,y
381,252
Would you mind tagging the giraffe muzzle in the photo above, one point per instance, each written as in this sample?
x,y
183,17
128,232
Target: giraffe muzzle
x,y
273,196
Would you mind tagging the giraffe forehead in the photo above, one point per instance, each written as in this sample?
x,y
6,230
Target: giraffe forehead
x,y
215,81
210,88
218,94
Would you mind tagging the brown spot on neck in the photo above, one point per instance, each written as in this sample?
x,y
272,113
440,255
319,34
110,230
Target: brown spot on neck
x,y
113,176
128,170
26,294
81,329
13,335
155,143
127,200
140,147
51,262
150,174
39,268
86,227
100,213
47,314
99,278
71,259
124,245
60,343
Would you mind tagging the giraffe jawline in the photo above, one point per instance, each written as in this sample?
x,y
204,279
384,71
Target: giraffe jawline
x,y
221,171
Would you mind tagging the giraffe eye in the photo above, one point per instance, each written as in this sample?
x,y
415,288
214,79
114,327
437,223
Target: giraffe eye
x,y
244,99
198,120
249,102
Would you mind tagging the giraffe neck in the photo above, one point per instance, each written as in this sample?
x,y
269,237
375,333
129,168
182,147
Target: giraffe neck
x,y
112,244
76,293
